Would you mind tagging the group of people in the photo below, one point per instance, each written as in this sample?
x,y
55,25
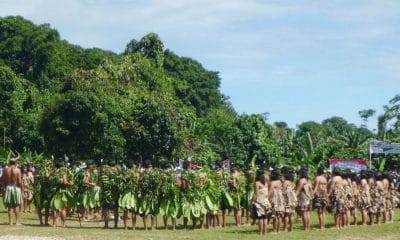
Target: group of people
x,y
17,188
345,194
204,196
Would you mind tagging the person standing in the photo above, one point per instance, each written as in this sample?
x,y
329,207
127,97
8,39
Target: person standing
x,y
27,182
276,199
62,199
261,204
321,196
290,197
337,194
304,194
12,179
364,202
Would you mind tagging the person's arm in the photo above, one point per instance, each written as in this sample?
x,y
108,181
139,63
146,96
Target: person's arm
x,y
65,180
299,187
316,186
331,187
32,178
2,176
19,179
87,180
256,192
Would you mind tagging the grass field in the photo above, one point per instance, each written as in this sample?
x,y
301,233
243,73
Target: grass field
x,y
93,230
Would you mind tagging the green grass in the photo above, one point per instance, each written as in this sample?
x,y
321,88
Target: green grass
x,y
92,230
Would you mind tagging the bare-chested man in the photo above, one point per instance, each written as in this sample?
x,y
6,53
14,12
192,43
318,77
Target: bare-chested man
x,y
12,179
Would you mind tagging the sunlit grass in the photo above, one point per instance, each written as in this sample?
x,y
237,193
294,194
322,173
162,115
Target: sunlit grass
x,y
93,230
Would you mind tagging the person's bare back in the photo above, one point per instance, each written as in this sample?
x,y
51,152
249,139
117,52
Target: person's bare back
x,y
12,176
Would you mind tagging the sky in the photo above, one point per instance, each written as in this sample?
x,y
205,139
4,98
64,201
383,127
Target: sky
x,y
298,60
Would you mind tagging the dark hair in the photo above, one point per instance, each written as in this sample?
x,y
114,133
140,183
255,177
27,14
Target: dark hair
x,y
354,177
363,174
260,176
276,175
378,176
304,171
388,177
186,165
58,164
288,173
336,171
320,171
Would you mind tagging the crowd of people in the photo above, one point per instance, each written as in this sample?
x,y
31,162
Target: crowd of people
x,y
204,195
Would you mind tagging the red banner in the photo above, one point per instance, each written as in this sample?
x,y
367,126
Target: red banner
x,y
355,165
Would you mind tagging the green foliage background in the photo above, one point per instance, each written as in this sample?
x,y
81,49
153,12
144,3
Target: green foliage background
x,y
148,104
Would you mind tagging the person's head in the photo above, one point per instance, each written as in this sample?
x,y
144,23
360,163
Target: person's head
x,y
112,163
260,177
378,176
58,164
288,173
234,169
149,165
387,176
304,172
276,175
186,165
336,171
320,171
355,177
13,161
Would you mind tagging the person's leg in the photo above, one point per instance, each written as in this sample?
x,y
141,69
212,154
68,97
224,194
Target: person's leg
x,y
217,221
224,218
185,222
10,210
378,218
165,220
153,222
63,216
106,216
46,216
40,216
133,220
144,217
116,217
291,220
285,222
355,213
173,223
247,216
371,218
29,205
24,205
238,217
338,220
55,213
320,212
304,220
201,220
126,219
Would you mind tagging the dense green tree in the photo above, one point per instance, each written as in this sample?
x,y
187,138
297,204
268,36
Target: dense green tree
x,y
20,109
193,84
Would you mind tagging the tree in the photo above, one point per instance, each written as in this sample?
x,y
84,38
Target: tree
x,y
365,114
193,84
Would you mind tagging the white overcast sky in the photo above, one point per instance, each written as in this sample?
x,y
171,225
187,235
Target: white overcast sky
x,y
298,60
